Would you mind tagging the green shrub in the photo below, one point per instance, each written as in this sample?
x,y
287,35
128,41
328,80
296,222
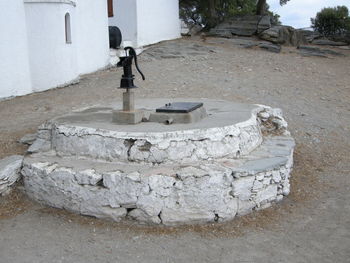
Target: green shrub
x,y
211,12
332,21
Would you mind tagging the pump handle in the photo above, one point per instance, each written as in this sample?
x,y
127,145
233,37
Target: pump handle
x,y
132,53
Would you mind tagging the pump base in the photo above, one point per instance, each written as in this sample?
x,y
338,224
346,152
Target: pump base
x,y
127,117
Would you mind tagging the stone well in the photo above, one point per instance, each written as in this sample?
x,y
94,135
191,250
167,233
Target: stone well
x,y
234,161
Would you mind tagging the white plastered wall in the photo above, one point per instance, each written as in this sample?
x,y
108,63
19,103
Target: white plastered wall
x,y
145,22
125,18
34,55
92,35
14,66
157,20
53,62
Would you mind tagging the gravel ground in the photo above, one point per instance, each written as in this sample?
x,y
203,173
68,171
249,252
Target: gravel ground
x,y
311,225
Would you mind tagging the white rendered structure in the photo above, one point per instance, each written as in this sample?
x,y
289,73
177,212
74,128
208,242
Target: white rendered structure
x,y
49,43
235,160
145,22
15,77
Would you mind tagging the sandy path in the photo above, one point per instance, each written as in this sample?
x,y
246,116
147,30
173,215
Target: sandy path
x,y
311,225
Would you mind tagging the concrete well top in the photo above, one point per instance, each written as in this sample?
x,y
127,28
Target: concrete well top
x,y
220,114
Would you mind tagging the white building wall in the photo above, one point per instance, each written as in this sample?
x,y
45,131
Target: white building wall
x,y
145,22
157,20
53,62
14,66
93,39
125,18
34,55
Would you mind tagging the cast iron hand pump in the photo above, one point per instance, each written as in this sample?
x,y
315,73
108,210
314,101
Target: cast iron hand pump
x,y
127,81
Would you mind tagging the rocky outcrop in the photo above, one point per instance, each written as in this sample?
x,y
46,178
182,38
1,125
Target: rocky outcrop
x,y
9,172
327,42
343,38
270,47
190,29
318,52
309,35
242,26
284,35
317,39
262,45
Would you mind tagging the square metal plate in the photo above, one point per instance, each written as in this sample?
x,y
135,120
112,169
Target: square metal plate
x,y
180,107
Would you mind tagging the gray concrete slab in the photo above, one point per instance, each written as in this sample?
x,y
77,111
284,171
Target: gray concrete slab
x,y
220,114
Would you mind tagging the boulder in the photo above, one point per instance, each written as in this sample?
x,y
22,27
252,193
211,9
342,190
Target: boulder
x,y
190,28
242,26
261,44
263,24
9,172
195,29
284,35
270,47
28,139
309,35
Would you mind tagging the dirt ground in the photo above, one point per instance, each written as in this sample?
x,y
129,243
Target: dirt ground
x,y
310,225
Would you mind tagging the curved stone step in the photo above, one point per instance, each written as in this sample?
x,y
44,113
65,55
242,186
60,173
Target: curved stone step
x,y
167,194
230,130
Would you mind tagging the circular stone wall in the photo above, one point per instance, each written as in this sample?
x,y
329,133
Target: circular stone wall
x,y
229,129
236,160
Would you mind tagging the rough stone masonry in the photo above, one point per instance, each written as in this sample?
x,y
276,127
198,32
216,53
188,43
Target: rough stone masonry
x,y
237,160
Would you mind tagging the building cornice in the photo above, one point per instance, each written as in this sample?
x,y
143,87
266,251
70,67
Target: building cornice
x,y
68,2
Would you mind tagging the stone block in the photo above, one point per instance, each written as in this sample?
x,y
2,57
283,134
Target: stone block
x,y
88,176
242,187
39,145
174,216
245,207
267,194
28,138
276,176
9,172
141,216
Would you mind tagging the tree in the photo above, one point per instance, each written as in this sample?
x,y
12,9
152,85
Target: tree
x,y
332,21
262,7
211,12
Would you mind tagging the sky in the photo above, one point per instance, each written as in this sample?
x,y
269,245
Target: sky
x,y
297,13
